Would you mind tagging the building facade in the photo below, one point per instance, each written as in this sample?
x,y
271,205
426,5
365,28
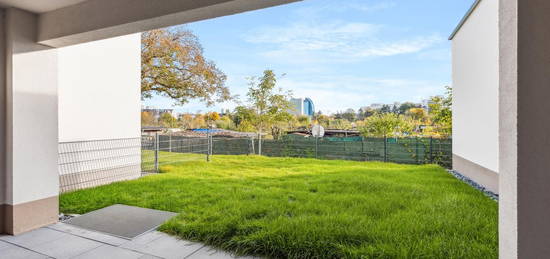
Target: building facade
x,y
302,107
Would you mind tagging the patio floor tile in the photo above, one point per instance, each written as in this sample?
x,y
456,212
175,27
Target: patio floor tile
x,y
67,247
4,245
165,247
15,252
144,239
108,251
35,237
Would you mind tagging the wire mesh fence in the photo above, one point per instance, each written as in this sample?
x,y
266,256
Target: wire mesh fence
x,y
159,150
396,150
87,164
92,163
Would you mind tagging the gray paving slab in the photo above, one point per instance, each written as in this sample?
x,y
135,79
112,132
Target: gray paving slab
x,y
122,220
97,236
16,252
108,251
149,257
165,247
35,237
4,245
144,239
67,247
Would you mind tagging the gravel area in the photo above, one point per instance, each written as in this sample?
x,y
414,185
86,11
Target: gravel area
x,y
65,217
470,182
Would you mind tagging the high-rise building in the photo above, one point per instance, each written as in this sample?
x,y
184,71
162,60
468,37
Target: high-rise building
x,y
302,106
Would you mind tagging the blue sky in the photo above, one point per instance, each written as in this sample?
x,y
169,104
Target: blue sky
x,y
340,53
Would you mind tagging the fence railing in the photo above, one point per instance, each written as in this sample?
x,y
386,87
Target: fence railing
x,y
87,164
158,150
397,150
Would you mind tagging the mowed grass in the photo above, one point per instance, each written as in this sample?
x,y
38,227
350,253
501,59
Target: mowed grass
x,y
306,208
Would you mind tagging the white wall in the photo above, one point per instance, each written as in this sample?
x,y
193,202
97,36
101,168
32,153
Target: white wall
x,y
475,87
31,112
99,112
99,90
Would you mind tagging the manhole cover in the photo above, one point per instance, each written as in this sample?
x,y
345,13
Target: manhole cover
x,y
122,220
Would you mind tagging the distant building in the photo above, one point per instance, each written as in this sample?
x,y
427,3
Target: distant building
x,y
302,106
157,112
375,106
426,104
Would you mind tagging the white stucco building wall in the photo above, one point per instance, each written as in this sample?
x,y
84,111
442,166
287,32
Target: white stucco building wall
x,y
99,90
476,95
99,112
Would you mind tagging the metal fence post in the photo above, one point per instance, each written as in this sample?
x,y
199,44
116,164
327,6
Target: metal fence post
x,y
316,147
208,146
385,149
431,150
170,143
417,158
253,145
157,145
363,148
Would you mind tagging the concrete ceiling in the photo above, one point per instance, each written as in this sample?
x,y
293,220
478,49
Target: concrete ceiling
x,y
38,6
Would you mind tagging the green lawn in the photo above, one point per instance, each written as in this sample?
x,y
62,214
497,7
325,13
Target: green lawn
x,y
306,208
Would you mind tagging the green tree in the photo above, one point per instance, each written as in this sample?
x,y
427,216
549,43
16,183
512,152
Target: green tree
x,y
225,122
364,113
418,114
341,124
244,115
441,112
167,120
385,125
270,105
173,65
349,115
405,107
303,121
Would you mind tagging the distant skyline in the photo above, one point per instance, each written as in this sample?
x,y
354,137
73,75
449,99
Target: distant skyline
x,y
341,54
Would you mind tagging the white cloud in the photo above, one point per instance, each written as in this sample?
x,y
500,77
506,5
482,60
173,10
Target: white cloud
x,y
339,6
312,42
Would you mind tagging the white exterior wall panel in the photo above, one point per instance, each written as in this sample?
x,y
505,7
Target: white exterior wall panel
x,y
476,87
99,112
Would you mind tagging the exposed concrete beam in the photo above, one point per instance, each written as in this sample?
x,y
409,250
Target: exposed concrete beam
x,y
101,19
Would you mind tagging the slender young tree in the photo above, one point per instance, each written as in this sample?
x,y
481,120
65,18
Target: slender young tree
x,y
270,104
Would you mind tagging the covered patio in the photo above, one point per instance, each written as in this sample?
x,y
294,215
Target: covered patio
x,y
32,31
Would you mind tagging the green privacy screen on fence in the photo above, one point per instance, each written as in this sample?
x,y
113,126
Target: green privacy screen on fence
x,y
397,150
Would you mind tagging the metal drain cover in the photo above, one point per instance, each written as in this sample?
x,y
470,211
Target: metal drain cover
x,y
122,220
